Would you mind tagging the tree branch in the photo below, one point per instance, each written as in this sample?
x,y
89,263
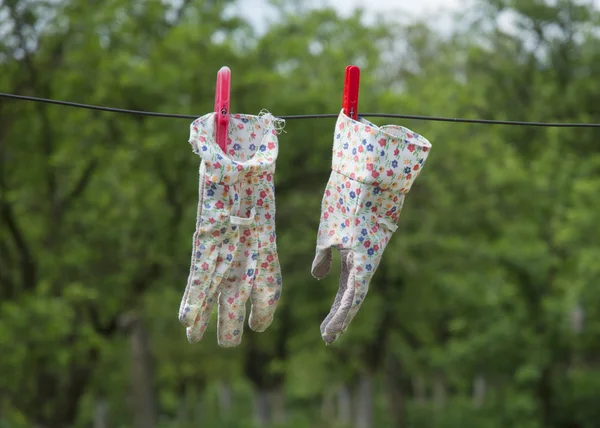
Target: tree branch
x,y
141,282
80,186
7,286
32,71
67,389
170,193
5,251
106,329
27,264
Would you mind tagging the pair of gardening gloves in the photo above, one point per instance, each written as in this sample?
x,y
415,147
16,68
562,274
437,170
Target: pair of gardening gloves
x,y
234,252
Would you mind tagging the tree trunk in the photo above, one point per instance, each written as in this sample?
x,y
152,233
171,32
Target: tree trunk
x,y
344,406
479,388
225,400
257,360
395,394
327,408
182,408
545,397
144,407
101,413
439,391
419,390
197,394
262,411
364,401
278,405
182,413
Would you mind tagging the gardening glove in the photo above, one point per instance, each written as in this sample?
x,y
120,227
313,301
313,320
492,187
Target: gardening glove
x,y
373,168
234,222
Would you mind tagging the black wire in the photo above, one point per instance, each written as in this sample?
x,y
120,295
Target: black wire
x,y
308,116
92,107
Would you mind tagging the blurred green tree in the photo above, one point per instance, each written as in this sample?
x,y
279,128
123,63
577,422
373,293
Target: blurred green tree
x,y
484,312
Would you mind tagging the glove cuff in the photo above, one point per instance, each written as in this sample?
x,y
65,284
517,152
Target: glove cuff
x,y
390,157
251,147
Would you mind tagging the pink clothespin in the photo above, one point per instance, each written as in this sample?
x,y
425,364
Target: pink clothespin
x,y
222,98
350,100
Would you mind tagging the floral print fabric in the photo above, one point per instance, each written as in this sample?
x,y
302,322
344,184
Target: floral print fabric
x,y
373,168
234,254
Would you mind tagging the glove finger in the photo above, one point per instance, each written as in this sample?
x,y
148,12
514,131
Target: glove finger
x,y
232,308
196,331
266,291
361,280
357,271
211,234
197,288
322,263
223,264
351,300
237,287
342,287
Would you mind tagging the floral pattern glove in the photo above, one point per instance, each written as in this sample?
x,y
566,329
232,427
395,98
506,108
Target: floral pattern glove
x,y
373,168
234,249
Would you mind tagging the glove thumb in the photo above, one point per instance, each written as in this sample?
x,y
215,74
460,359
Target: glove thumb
x,y
322,263
336,321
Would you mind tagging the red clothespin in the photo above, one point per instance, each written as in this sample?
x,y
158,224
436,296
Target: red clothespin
x,y
350,100
222,98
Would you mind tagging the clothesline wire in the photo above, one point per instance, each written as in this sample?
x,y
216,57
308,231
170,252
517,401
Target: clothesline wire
x,y
306,116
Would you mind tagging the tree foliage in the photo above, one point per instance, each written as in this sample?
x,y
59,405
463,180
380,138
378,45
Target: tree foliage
x,y
484,312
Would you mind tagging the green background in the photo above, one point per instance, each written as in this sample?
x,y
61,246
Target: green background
x,y
484,312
